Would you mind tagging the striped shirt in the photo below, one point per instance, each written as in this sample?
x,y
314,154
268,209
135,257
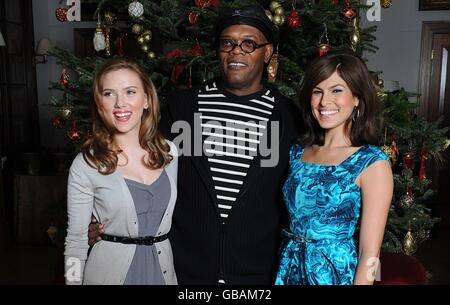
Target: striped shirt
x,y
232,128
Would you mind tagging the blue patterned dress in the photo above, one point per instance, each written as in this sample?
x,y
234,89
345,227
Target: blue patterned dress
x,y
324,205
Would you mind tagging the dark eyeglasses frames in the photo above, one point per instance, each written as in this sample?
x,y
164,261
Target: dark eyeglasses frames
x,y
246,45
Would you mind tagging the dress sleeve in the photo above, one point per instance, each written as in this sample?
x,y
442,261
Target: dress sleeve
x,y
371,155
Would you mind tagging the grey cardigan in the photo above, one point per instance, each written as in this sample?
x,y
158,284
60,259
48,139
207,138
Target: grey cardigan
x,y
108,198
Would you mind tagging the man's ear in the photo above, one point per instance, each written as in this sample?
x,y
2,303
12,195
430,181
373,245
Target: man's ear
x,y
268,53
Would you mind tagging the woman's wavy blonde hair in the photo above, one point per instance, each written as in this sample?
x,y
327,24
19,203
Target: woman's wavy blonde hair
x,y
99,150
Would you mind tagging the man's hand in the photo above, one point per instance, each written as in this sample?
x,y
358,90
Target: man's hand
x,y
95,231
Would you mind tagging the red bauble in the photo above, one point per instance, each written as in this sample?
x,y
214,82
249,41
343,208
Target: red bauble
x,y
64,78
73,133
57,122
61,14
176,71
335,2
197,50
120,51
408,160
324,48
349,13
294,20
423,159
206,3
175,53
193,18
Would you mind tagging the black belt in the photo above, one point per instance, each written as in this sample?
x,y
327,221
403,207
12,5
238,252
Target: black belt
x,y
144,240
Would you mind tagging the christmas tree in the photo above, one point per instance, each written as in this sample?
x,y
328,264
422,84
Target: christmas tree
x,y
409,141
305,29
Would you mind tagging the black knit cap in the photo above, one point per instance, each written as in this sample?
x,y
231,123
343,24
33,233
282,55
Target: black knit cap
x,y
253,15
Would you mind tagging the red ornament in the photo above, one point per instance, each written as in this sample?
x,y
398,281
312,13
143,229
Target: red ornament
x,y
64,78
197,50
349,13
206,3
176,71
120,51
294,20
61,14
175,53
335,2
73,133
394,147
193,18
57,122
324,48
423,159
408,160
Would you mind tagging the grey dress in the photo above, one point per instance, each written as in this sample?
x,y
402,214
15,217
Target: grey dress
x,y
151,202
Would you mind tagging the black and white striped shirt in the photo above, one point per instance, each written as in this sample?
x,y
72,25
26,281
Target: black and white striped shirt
x,y
232,128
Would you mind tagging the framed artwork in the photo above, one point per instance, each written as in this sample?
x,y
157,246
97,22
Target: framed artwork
x,y
434,5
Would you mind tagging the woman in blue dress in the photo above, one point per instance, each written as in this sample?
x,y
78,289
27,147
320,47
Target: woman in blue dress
x,y
338,180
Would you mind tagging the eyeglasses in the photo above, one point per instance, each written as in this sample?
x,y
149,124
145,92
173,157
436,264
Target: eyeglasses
x,y
246,45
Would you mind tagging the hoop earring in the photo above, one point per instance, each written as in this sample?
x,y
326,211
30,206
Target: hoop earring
x,y
355,114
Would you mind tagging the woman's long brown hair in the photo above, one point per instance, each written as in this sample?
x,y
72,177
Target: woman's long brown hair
x,y
361,125
99,149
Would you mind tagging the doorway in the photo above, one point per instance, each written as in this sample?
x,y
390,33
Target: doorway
x,y
435,103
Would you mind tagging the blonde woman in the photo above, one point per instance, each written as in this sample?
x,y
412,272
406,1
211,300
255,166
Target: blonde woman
x,y
126,176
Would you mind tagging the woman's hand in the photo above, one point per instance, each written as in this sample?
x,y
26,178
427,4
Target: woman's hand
x,y
95,231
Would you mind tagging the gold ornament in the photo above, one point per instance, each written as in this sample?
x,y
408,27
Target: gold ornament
x,y
269,15
272,68
446,144
380,83
136,28
274,5
141,40
355,37
65,112
406,201
145,48
423,235
279,11
390,153
151,55
386,3
109,18
277,20
147,36
409,243
52,231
